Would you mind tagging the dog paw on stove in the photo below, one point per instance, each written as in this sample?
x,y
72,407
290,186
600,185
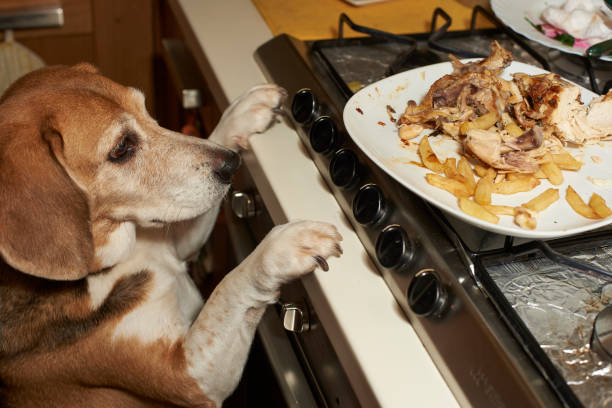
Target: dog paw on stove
x,y
253,112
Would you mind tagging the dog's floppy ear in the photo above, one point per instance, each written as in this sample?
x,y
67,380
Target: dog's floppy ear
x,y
44,217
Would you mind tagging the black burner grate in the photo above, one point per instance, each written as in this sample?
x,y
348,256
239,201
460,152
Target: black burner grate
x,y
403,52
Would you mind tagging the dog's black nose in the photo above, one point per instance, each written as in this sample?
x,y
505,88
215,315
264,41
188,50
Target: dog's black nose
x,y
227,162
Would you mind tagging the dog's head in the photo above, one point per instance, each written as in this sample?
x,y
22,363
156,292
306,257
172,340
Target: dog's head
x,y
82,163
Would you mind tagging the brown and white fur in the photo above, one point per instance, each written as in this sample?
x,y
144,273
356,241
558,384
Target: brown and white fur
x,y
99,209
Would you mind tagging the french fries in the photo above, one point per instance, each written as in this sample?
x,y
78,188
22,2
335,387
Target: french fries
x,y
474,184
513,129
565,161
491,174
455,187
516,186
515,176
483,171
598,204
483,191
464,168
542,201
525,218
500,209
578,205
428,157
499,178
480,170
551,170
510,125
451,129
482,122
476,210
450,169
539,174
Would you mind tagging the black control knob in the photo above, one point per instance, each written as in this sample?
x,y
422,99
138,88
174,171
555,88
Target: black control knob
x,y
393,247
344,168
369,205
323,134
304,106
426,294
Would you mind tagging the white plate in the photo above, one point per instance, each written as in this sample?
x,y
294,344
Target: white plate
x,y
368,107
513,13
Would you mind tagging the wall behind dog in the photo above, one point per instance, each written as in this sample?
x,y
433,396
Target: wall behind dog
x,y
115,35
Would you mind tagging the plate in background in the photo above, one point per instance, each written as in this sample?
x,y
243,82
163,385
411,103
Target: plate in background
x,y
514,13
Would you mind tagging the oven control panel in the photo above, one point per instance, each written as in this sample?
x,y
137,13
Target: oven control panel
x,y
391,245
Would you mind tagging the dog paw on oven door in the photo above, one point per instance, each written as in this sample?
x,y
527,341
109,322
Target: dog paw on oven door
x,y
294,249
253,112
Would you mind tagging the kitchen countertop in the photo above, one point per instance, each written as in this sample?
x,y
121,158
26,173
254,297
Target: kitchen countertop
x,y
299,19
385,362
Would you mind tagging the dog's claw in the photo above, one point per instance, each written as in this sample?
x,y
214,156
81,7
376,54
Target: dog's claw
x,y
280,112
322,262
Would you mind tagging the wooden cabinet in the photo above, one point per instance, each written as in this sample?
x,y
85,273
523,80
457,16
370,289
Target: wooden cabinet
x,y
169,111
115,35
123,39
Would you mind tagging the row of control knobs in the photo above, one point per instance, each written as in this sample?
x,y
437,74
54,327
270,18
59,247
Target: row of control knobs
x,y
394,249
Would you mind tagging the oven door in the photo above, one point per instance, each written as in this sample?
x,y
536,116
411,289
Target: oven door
x,y
302,358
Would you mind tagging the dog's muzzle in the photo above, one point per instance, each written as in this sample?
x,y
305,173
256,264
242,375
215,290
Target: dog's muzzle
x,y
226,164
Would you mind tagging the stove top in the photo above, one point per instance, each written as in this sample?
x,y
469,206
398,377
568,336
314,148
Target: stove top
x,y
508,322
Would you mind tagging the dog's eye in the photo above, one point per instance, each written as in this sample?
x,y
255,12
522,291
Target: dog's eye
x,y
124,149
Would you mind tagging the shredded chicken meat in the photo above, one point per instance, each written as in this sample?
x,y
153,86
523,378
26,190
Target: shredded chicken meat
x,y
509,125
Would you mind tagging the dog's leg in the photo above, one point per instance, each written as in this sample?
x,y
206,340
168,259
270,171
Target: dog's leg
x,y
218,342
253,112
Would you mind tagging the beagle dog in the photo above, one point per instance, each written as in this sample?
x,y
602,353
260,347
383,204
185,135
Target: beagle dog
x,y
100,208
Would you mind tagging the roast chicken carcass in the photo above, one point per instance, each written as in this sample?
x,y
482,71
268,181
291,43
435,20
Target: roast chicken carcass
x,y
531,114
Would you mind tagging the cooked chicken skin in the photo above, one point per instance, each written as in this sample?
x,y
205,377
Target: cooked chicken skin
x,y
557,103
495,63
500,150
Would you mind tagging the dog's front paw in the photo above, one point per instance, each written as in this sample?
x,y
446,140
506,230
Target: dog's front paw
x,y
253,112
295,249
